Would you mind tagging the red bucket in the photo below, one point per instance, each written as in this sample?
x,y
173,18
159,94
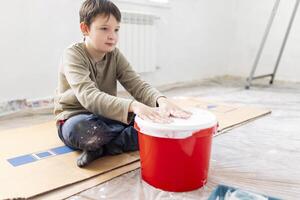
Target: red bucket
x,y
175,157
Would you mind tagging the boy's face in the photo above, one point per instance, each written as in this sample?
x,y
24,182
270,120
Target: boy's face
x,y
102,35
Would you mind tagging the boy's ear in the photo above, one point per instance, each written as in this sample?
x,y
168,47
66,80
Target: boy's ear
x,y
84,28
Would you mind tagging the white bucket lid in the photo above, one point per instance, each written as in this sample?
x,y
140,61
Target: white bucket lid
x,y
179,128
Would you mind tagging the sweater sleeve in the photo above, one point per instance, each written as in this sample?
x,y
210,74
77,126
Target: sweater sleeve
x,y
139,89
89,96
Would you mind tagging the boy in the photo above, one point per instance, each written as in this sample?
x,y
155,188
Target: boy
x,y
89,115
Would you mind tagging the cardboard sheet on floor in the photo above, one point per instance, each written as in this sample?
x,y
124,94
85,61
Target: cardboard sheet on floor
x,y
34,161
70,190
228,115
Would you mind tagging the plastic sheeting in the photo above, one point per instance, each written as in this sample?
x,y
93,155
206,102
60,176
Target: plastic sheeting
x,y
262,156
223,192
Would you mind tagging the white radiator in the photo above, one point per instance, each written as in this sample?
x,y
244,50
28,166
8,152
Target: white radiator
x,y
137,40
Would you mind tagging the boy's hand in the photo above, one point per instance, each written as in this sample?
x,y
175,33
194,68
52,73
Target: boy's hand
x,y
148,113
167,109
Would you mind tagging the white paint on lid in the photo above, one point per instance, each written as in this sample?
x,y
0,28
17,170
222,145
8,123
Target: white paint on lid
x,y
179,128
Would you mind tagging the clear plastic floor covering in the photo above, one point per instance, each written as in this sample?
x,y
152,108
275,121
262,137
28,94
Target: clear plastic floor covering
x,y
262,156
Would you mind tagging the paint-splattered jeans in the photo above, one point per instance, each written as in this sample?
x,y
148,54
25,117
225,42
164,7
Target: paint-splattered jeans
x,y
92,132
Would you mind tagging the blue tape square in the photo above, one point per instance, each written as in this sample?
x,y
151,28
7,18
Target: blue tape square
x,y
211,106
62,150
43,154
21,160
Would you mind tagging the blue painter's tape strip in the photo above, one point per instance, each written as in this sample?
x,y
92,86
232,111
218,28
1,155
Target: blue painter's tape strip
x,y
61,150
21,160
24,159
211,106
43,154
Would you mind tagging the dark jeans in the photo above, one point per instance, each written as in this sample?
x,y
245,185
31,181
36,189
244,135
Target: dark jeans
x,y
91,132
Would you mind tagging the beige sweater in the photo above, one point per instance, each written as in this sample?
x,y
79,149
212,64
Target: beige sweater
x,y
88,87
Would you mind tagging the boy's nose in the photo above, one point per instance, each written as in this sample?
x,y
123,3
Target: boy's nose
x,y
112,36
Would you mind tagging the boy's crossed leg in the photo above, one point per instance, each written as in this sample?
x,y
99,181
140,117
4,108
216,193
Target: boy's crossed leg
x,y
97,136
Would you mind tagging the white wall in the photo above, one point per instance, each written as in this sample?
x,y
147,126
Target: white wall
x,y
196,39
33,36
193,40
251,18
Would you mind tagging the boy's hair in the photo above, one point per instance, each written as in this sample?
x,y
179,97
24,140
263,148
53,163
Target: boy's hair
x,y
91,8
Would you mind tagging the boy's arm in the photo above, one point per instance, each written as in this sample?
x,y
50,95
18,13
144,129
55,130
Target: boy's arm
x,y
139,89
88,95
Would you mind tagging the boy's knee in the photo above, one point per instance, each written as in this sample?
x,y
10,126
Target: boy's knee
x,y
85,137
92,143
